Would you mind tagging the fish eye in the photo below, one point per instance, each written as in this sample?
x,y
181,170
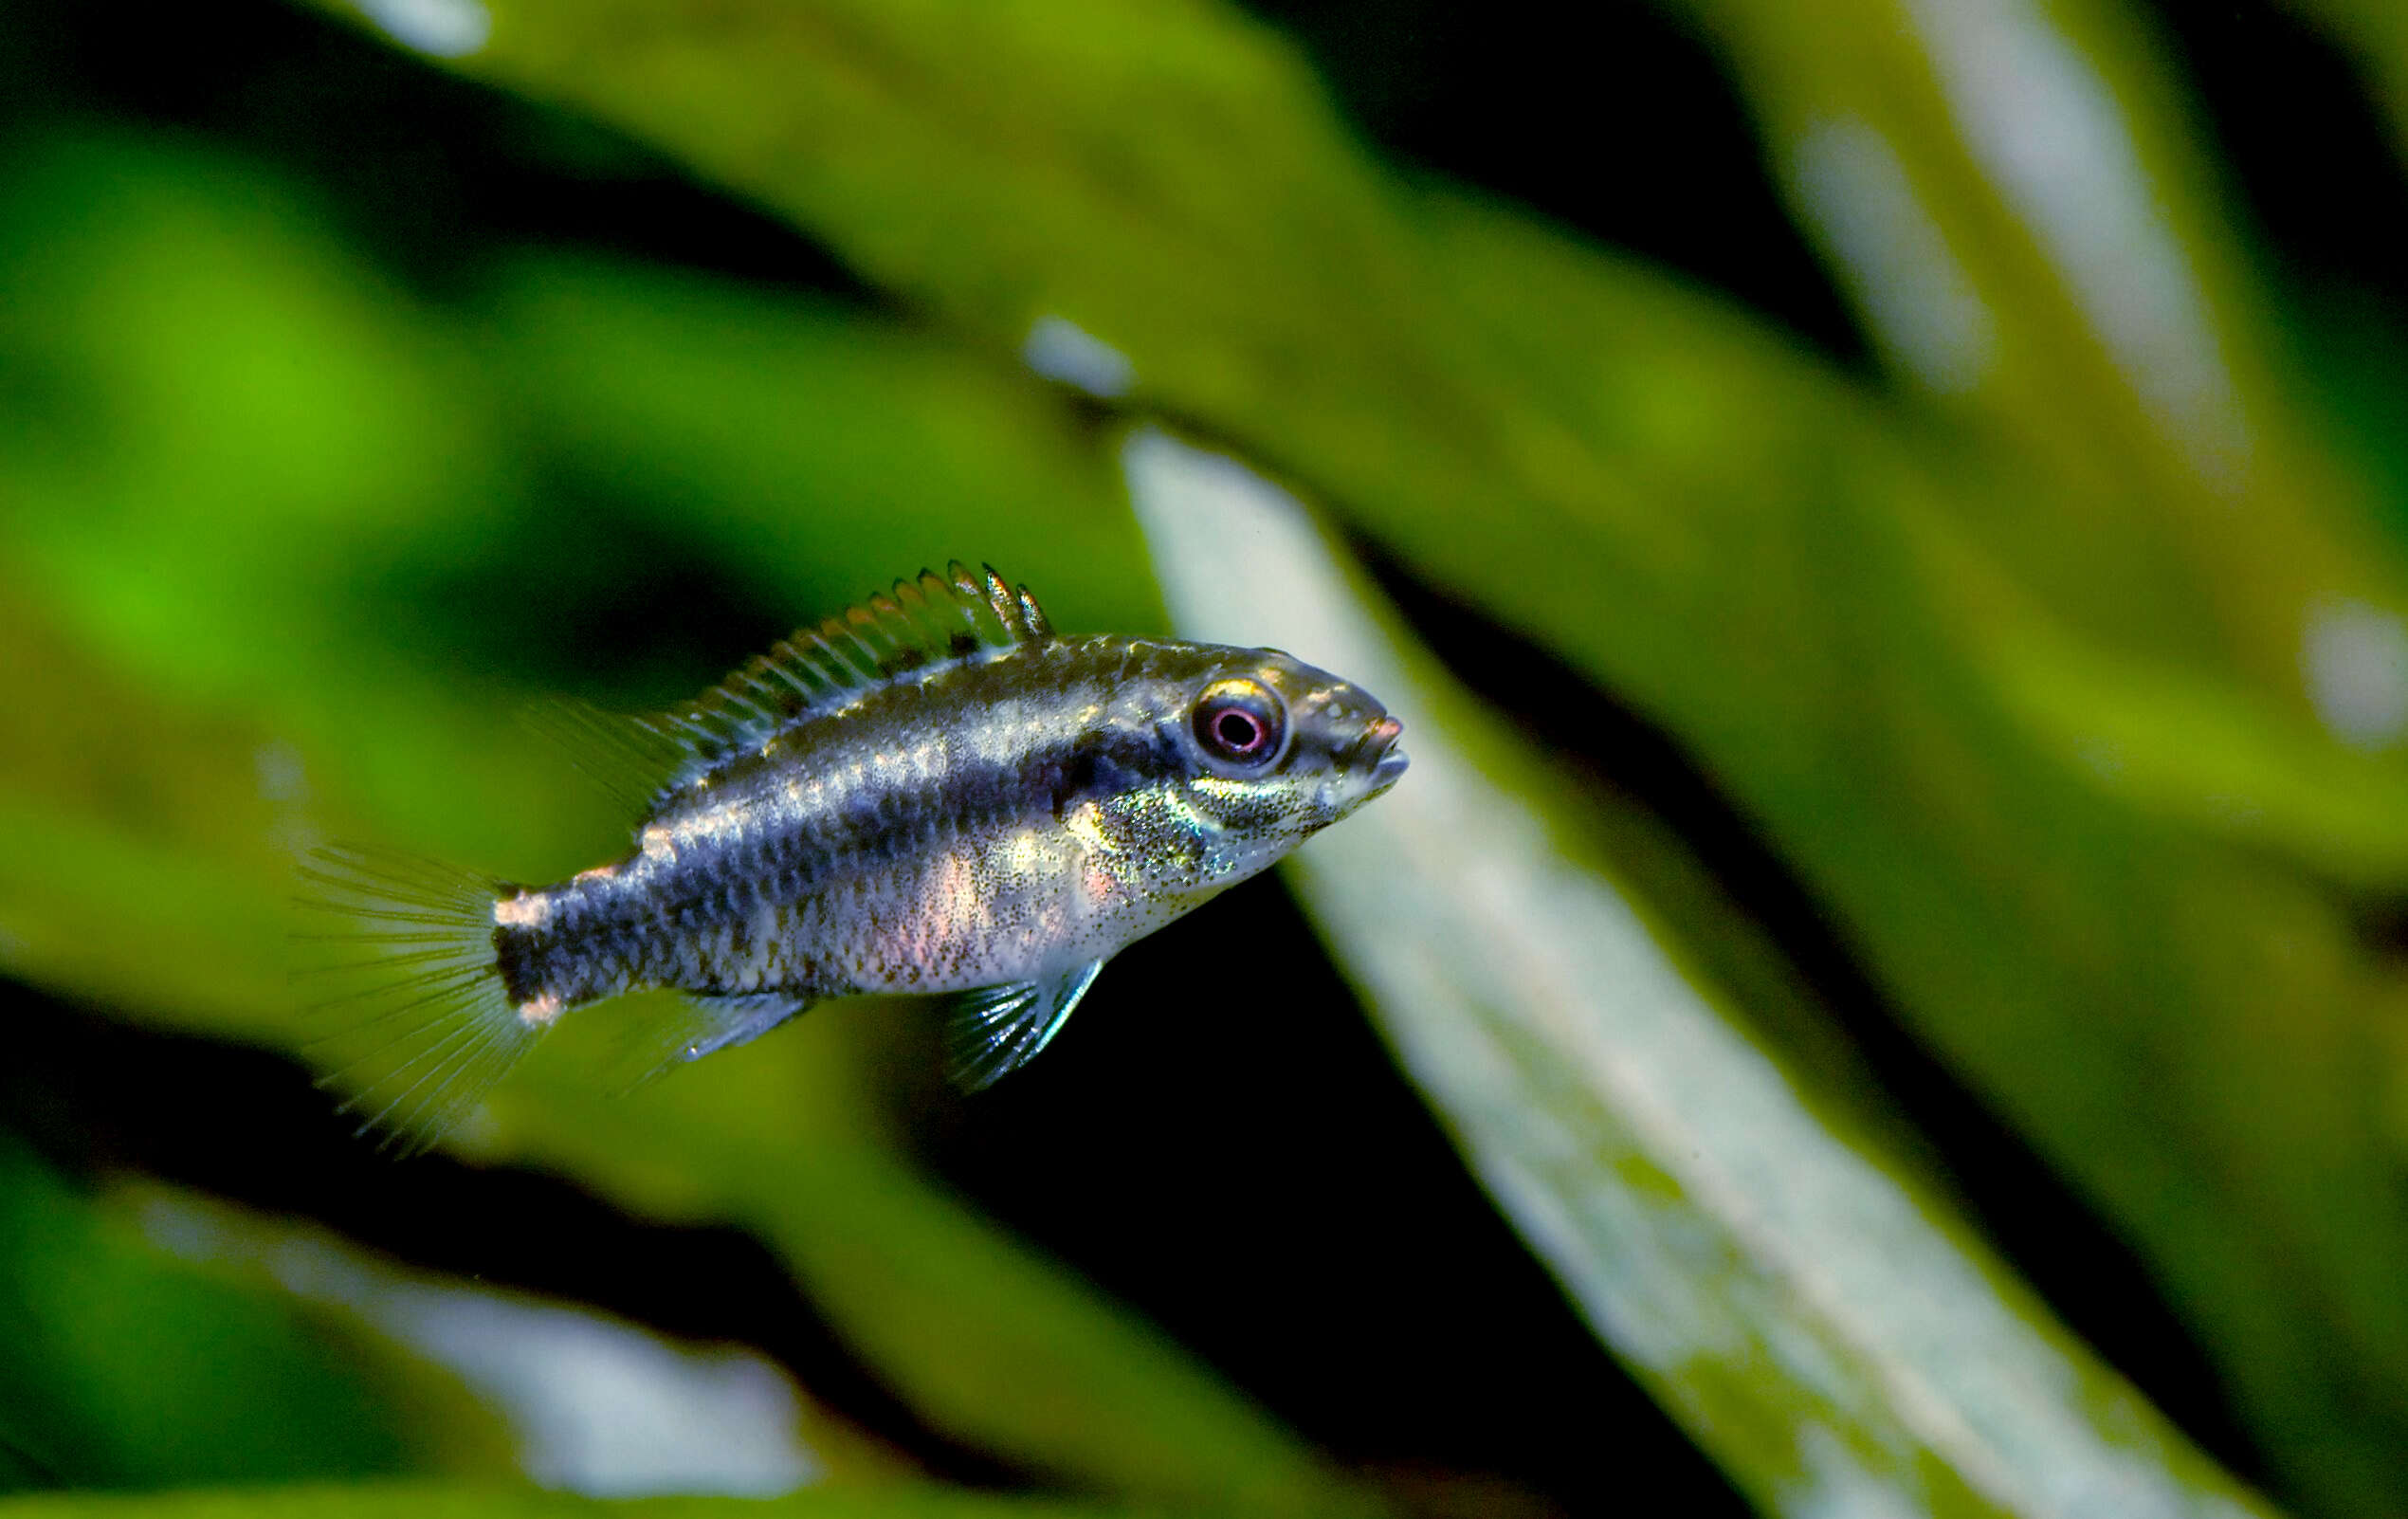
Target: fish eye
x,y
1240,722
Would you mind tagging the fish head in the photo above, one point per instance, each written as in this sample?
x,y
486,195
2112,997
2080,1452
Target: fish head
x,y
1272,750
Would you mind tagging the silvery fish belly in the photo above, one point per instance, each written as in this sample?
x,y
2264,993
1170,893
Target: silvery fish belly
x,y
932,792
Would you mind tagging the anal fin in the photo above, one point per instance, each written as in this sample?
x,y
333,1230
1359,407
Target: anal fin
x,y
995,1030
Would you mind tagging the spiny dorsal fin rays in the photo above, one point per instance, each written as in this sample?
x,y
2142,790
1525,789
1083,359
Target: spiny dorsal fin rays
x,y
1000,600
938,606
921,623
932,620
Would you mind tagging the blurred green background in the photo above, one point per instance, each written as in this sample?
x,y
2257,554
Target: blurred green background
x,y
1884,515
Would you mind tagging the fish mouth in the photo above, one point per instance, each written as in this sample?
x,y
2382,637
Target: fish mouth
x,y
1387,761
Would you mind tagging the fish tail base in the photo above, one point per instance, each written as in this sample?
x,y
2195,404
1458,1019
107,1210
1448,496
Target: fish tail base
x,y
413,1023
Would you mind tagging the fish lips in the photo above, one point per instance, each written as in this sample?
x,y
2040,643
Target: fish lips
x,y
1387,759
1365,769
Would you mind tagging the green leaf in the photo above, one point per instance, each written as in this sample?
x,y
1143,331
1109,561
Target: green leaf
x,y
110,1345
405,1501
815,453
1817,1318
2202,757
2084,309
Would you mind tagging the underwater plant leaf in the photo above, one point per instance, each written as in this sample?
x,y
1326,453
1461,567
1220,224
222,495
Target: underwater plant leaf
x,y
2091,311
578,1399
818,452
1815,1316
1788,572
408,1500
2197,754
989,1340
111,1343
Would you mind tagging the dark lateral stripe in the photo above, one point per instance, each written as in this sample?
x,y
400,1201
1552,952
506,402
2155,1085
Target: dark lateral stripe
x,y
817,673
867,828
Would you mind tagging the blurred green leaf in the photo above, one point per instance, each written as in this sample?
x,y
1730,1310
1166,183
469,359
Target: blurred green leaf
x,y
990,1340
2192,752
409,1501
1818,1321
106,1346
2024,189
567,1396
818,452
1786,572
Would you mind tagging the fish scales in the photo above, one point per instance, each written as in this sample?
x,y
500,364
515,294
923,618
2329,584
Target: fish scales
x,y
957,801
910,857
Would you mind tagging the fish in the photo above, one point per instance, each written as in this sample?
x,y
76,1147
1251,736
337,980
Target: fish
x,y
931,793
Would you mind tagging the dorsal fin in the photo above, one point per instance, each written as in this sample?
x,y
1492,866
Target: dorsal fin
x,y
634,759
923,623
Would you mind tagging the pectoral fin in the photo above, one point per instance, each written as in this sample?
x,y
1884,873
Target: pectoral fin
x,y
995,1030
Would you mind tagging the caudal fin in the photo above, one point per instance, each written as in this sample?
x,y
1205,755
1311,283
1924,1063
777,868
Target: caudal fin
x,y
412,1024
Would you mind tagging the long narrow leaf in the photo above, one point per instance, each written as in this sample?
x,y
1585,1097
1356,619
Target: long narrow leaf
x,y
1831,1334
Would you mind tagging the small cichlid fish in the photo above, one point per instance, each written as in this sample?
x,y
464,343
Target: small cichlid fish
x,y
929,793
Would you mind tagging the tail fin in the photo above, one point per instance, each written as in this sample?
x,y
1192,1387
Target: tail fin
x,y
402,979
